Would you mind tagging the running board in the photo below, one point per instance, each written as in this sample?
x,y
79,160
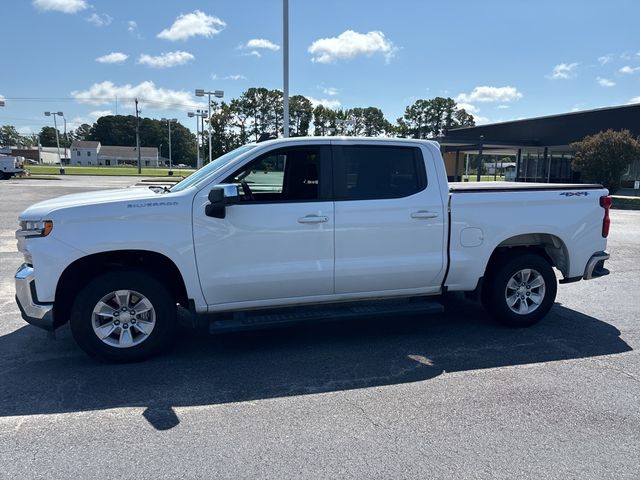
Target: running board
x,y
331,312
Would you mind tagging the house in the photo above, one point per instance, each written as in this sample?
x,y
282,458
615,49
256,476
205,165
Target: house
x,y
89,153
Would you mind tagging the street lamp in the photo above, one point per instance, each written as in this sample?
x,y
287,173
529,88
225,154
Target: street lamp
x,y
55,124
199,116
216,93
169,122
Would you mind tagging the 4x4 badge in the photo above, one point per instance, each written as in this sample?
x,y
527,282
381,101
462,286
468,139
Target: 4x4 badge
x,y
574,194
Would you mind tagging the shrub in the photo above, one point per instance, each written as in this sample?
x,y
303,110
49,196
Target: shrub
x,y
605,156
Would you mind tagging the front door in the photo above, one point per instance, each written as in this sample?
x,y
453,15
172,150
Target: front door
x,y
277,242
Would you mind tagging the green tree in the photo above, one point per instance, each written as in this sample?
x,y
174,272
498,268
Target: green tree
x,y
9,136
324,121
224,136
300,115
81,133
48,137
605,156
432,118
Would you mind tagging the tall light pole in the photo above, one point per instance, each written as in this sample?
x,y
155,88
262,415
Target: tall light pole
x,y
55,124
285,64
216,93
199,115
169,122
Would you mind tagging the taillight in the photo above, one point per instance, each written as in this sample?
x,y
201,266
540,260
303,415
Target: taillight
x,y
605,202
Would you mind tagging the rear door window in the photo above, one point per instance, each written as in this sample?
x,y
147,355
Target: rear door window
x,y
366,172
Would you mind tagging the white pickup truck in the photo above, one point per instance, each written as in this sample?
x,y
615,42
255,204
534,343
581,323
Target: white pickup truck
x,y
297,229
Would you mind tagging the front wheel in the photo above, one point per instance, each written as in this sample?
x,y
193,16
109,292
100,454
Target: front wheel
x,y
123,316
520,291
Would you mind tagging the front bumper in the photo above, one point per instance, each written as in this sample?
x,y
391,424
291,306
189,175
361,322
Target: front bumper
x,y
595,266
35,313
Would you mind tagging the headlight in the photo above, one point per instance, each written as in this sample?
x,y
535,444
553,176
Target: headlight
x,y
30,228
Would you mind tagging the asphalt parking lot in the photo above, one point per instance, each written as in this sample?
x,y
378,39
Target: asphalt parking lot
x,y
448,396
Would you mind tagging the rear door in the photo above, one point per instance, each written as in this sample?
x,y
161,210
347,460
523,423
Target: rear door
x,y
389,219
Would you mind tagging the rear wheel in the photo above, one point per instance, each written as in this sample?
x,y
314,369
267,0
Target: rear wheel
x,y
123,316
521,290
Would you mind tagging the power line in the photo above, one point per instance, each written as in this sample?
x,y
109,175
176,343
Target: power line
x,y
103,100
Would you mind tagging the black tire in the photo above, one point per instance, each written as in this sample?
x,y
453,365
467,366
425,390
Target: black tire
x,y
495,291
163,310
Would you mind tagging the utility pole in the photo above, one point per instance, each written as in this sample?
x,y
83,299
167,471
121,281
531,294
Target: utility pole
x,y
138,138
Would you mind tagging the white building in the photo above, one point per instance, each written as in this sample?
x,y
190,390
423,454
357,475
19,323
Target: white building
x,y
89,153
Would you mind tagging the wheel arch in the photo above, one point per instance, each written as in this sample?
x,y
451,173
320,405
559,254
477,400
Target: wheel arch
x,y
547,245
84,269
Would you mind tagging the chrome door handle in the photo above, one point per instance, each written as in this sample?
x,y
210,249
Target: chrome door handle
x,y
313,219
424,214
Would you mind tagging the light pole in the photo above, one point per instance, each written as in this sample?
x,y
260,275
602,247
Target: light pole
x,y
198,115
169,122
55,124
285,67
216,93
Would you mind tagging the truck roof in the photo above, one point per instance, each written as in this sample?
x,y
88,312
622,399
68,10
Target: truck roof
x,y
310,139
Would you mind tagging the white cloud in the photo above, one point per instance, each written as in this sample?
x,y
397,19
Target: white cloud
x,y
634,100
469,108
99,113
503,107
132,25
99,19
331,91
252,53
628,70
193,24
166,59
350,44
90,118
325,102
215,76
147,93
64,6
604,82
113,57
485,93
563,71
261,43
473,110
605,59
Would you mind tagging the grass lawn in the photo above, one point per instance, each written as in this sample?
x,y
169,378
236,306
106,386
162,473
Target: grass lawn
x,y
127,171
483,178
626,203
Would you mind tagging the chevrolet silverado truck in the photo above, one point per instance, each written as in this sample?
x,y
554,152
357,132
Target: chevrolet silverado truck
x,y
290,230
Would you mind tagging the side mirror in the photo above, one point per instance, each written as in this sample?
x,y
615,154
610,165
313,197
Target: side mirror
x,y
220,197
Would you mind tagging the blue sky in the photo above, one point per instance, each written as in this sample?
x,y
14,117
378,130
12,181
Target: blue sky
x,y
503,59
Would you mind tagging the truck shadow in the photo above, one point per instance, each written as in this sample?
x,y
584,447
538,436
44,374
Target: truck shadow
x,y
39,376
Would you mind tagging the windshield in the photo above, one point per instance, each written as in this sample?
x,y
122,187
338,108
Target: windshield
x,y
211,167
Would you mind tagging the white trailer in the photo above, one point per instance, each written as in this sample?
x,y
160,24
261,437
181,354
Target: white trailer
x,y
9,166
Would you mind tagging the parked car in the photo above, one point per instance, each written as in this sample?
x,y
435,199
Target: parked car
x,y
337,227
